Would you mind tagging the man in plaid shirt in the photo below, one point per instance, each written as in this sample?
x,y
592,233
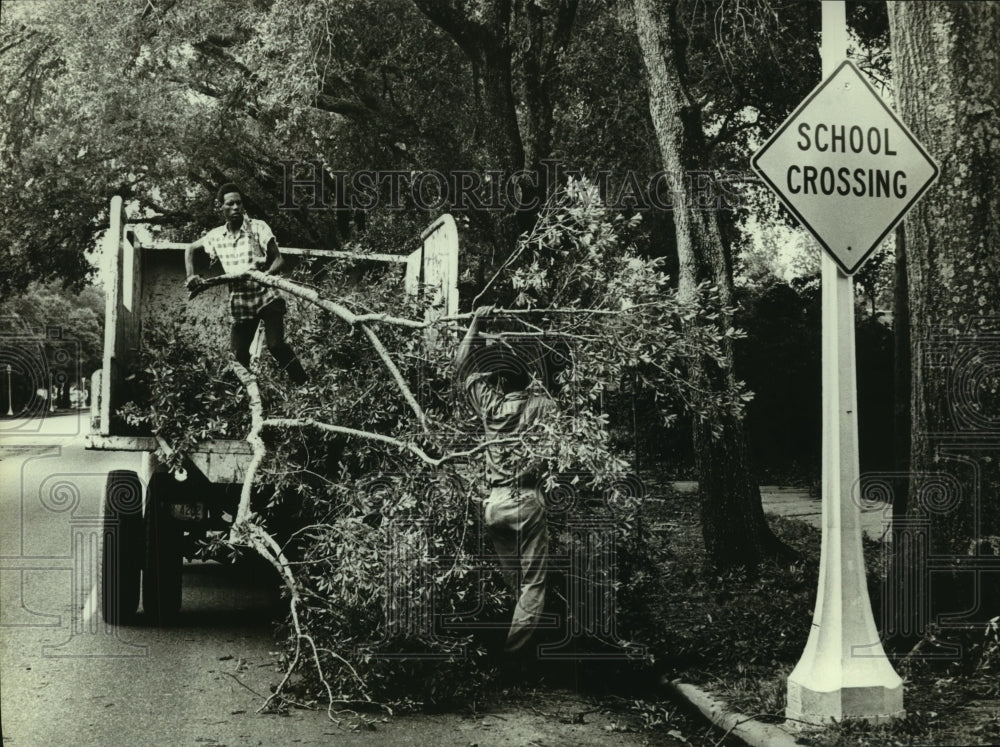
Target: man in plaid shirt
x,y
240,244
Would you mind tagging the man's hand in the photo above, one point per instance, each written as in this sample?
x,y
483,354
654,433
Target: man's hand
x,y
477,316
261,264
195,285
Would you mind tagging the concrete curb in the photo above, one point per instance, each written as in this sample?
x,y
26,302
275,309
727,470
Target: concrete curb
x,y
743,727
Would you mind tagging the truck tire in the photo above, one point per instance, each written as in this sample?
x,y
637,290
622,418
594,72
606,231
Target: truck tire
x,y
121,553
161,577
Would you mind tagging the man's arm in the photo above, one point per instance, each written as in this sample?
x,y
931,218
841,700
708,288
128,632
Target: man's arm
x,y
193,280
274,262
465,347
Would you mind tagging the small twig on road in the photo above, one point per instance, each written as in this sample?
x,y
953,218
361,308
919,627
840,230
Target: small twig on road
x,y
242,684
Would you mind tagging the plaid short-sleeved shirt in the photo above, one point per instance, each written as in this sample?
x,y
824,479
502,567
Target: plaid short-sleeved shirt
x,y
237,253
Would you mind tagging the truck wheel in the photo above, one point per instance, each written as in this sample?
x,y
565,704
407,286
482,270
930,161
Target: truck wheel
x,y
161,578
121,554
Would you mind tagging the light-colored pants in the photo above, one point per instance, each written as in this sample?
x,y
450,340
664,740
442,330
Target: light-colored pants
x,y
515,522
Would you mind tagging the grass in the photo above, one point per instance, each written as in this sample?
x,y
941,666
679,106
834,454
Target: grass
x,y
739,637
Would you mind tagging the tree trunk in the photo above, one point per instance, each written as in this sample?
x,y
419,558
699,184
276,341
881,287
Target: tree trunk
x,y
733,524
487,33
947,78
546,31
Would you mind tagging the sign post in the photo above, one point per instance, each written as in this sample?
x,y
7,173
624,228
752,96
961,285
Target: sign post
x,y
848,169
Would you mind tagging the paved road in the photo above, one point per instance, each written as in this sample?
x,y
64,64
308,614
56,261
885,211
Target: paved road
x,y
67,678
59,429
876,518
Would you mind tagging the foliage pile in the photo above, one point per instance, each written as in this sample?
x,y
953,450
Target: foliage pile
x,y
389,544
181,394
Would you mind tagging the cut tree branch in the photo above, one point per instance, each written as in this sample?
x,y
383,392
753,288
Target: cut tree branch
x,y
389,440
348,316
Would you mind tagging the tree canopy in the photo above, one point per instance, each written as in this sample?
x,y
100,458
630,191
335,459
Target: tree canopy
x,y
160,102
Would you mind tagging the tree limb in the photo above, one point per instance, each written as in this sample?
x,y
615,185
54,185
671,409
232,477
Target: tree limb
x,y
256,442
389,440
348,316
245,530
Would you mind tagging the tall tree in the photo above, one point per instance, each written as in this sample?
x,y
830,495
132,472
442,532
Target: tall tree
x,y
513,47
52,336
735,530
947,78
154,102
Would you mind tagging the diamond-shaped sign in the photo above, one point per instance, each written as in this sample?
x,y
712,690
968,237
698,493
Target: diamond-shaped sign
x,y
846,166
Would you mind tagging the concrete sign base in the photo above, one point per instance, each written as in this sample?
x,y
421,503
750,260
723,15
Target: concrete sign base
x,y
874,704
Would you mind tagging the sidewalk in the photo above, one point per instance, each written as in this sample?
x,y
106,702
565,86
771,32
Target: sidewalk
x,y
796,503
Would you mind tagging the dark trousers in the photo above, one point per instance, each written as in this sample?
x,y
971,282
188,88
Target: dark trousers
x,y
273,316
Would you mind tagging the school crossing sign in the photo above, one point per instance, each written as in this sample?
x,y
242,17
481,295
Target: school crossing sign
x,y
846,166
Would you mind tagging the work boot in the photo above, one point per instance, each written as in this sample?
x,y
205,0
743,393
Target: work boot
x,y
296,373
